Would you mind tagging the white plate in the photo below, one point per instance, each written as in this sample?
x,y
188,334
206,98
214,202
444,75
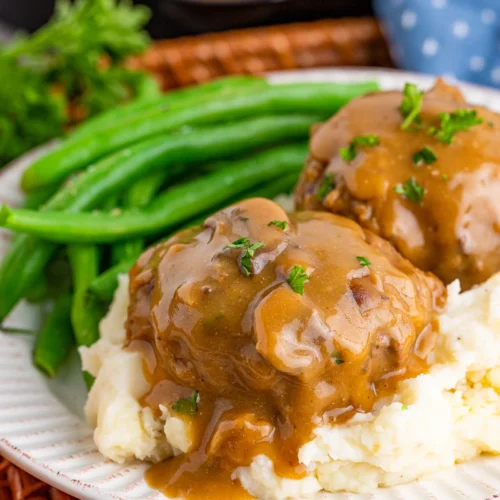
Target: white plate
x,y
41,423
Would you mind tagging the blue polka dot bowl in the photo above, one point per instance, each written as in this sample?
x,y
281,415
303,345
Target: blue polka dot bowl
x,y
455,38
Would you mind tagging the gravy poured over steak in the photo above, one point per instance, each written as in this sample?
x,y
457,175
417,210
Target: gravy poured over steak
x,y
451,227
279,327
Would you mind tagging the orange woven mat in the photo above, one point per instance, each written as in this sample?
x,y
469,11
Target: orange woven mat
x,y
15,484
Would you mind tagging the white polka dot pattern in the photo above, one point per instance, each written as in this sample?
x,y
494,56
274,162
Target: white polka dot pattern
x,y
430,47
460,29
445,37
408,19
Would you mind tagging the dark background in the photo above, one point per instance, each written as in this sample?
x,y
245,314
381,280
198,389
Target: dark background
x,y
172,18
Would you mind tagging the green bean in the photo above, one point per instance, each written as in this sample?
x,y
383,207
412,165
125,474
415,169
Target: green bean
x,y
175,206
126,111
56,339
85,311
37,198
142,192
324,98
27,256
137,196
104,286
39,292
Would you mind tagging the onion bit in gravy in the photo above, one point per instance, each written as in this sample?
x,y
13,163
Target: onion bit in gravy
x,y
259,326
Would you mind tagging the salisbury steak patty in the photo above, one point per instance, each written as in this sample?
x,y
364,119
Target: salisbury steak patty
x,y
441,209
280,321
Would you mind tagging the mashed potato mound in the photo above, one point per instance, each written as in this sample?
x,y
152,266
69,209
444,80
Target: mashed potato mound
x,y
448,415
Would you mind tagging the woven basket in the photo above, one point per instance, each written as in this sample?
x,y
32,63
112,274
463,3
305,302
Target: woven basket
x,y
191,60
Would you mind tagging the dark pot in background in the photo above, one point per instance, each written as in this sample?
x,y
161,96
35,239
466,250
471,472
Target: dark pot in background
x,y
27,15
181,17
172,18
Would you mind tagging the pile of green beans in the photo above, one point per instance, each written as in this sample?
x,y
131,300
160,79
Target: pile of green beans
x,y
134,175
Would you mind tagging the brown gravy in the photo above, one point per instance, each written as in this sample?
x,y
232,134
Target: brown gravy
x,y
269,363
455,230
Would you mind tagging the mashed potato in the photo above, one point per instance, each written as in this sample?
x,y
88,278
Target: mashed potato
x,y
448,415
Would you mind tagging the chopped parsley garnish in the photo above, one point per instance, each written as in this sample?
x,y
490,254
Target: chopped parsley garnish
x,y
327,184
244,219
250,248
349,153
241,243
404,407
188,406
444,177
337,358
451,123
411,190
411,105
425,155
246,260
363,260
282,224
297,278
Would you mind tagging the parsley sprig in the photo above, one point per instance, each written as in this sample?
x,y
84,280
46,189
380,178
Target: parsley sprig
x,y
250,249
188,406
61,66
349,153
337,358
246,260
327,185
297,278
282,224
363,261
240,243
411,190
411,106
451,123
424,155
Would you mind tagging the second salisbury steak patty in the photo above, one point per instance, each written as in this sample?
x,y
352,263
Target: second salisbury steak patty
x,y
423,173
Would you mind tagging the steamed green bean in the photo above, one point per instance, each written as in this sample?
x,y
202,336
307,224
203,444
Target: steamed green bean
x,y
72,155
175,206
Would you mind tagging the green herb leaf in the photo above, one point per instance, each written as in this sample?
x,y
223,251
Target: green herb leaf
x,y
444,177
349,153
327,184
411,190
246,260
337,358
425,155
404,407
60,67
411,105
363,260
188,406
451,123
244,219
297,278
240,243
282,224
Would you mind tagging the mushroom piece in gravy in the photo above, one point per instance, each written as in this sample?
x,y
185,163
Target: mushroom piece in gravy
x,y
440,208
259,326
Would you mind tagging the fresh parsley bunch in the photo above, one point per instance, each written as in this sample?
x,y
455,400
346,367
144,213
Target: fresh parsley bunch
x,y
69,69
